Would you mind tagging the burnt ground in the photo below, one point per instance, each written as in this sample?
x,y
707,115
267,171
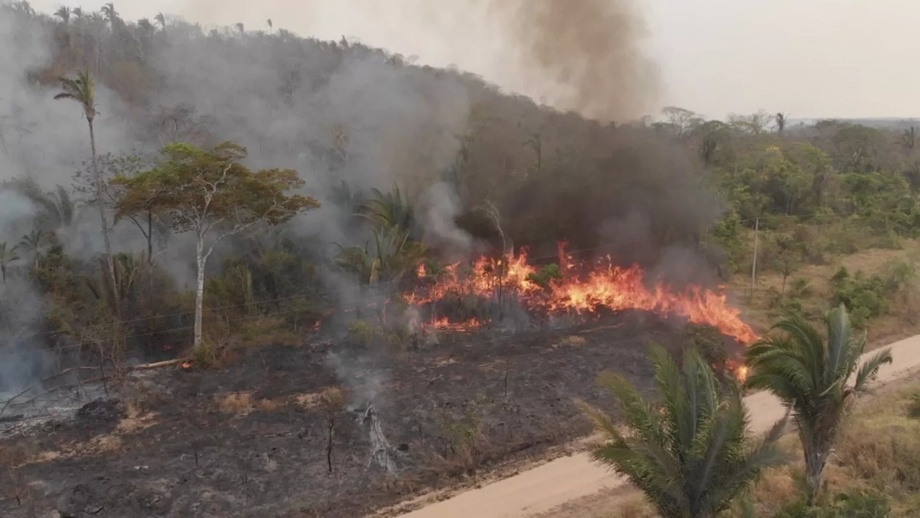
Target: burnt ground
x,y
250,439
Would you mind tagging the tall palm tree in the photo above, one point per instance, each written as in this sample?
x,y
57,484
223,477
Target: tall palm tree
x,y
781,120
64,14
809,372
7,256
82,89
691,456
32,244
110,14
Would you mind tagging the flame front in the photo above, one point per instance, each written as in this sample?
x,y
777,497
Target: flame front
x,y
578,288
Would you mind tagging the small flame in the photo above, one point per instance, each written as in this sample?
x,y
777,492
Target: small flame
x,y
741,373
186,365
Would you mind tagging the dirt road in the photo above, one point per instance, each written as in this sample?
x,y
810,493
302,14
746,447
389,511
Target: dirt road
x,y
543,488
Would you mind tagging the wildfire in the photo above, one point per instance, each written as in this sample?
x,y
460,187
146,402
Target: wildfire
x,y
574,288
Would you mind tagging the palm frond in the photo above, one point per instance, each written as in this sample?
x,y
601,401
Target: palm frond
x,y
691,456
868,371
809,373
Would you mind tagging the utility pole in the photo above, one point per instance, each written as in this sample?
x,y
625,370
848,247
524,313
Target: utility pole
x,y
754,264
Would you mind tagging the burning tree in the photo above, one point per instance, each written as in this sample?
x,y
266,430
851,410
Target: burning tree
x,y
213,194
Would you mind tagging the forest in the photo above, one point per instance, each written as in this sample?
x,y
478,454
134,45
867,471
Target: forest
x,y
171,193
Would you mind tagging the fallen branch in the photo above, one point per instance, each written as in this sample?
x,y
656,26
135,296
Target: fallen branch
x,y
10,400
42,382
156,365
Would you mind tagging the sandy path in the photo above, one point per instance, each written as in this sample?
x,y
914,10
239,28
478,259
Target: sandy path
x,y
550,485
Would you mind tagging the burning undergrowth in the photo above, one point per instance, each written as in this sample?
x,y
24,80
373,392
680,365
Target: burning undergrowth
x,y
510,291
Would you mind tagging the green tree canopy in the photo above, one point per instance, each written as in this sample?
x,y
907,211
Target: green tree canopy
x,y
211,192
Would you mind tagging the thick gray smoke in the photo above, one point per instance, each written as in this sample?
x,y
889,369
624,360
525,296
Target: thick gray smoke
x,y
349,120
586,56
589,50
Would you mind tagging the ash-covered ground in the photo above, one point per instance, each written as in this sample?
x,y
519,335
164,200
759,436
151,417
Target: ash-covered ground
x,y
252,439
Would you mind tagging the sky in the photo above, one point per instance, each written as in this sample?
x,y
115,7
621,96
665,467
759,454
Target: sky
x,y
809,59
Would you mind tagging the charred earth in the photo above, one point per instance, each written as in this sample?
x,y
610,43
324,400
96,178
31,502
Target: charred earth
x,y
253,438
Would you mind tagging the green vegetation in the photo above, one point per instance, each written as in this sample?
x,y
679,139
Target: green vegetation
x,y
810,374
692,456
872,473
690,425
205,191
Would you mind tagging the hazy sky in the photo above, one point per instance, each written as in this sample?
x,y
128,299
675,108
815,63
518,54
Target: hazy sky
x,y
812,58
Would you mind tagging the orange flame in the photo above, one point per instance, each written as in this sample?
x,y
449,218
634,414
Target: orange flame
x,y
580,288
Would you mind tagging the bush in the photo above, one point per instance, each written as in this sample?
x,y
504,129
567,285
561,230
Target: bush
x,y
865,297
859,504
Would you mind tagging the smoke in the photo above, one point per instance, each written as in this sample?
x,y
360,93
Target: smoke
x,y
589,52
348,119
440,206
21,362
587,56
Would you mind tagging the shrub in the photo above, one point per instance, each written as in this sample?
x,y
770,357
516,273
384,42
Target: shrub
x,y
865,297
858,504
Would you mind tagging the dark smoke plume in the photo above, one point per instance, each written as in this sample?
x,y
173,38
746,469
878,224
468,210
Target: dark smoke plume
x,y
590,49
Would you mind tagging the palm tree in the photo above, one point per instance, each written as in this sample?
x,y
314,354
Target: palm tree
x,y
781,120
7,256
145,26
391,209
691,456
64,14
82,89
909,139
392,256
57,208
32,244
110,14
809,373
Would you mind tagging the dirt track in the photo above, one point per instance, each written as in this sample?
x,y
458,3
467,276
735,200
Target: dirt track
x,y
545,488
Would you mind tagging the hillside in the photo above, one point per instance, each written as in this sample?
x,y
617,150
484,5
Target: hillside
x,y
454,260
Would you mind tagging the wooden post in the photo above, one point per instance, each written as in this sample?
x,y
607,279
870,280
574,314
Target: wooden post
x,y
754,264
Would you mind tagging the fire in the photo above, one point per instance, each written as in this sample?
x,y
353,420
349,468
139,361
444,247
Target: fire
x,y
742,372
575,288
444,324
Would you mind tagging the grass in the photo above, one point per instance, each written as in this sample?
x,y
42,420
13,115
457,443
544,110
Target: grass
x,y
760,308
878,453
